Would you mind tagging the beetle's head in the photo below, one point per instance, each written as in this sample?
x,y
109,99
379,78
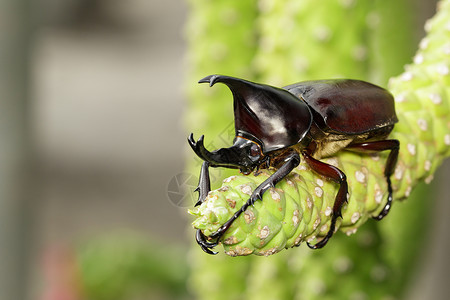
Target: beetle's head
x,y
266,119
244,154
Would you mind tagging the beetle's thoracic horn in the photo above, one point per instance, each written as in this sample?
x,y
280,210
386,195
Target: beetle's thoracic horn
x,y
266,113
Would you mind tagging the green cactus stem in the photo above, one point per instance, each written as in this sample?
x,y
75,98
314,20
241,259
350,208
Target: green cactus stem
x,y
298,209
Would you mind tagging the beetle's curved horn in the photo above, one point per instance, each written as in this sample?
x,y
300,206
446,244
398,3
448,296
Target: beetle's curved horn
x,y
267,113
224,157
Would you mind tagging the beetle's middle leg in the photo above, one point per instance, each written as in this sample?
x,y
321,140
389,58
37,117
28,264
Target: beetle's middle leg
x,y
337,175
290,163
377,146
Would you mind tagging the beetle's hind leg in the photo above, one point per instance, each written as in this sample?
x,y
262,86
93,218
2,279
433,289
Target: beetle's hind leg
x,y
337,175
377,146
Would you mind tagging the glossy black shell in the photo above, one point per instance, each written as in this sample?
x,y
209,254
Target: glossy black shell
x,y
347,106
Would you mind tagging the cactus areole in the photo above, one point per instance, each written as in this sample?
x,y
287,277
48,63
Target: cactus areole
x,y
313,119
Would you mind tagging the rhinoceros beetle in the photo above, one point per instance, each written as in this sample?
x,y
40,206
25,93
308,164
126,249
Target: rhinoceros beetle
x,y
313,119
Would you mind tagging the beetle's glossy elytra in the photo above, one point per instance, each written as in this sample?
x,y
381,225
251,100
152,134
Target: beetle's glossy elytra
x,y
347,106
274,127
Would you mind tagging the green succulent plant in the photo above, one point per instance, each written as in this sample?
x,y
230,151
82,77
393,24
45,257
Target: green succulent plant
x,y
297,40
299,208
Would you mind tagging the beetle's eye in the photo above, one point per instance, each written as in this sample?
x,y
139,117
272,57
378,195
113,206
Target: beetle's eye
x,y
254,150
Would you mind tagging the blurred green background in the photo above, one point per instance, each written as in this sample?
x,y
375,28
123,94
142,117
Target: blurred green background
x,y
92,202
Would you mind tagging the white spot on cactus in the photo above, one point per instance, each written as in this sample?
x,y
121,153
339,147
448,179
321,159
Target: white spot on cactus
x,y
229,179
312,238
249,216
264,232
318,191
378,194
289,182
447,139
328,211
443,70
399,170
427,26
424,43
319,182
275,196
360,176
302,168
408,191
322,33
375,157
268,251
212,198
408,178
298,240
224,188
359,52
411,149
355,217
435,98
309,203
429,179
239,251
342,265
373,20
295,217
246,189
316,223
407,76
230,240
402,97
351,231
427,165
333,161
324,228
423,125
418,59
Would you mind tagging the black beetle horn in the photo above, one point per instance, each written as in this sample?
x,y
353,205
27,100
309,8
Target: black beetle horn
x,y
266,113
224,157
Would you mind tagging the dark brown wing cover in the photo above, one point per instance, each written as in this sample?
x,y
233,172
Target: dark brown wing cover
x,y
347,106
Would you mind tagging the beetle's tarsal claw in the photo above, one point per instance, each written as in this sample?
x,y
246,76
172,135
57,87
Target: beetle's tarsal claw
x,y
204,244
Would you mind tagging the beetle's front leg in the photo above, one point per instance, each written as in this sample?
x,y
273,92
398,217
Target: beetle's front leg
x,y
290,163
337,175
204,184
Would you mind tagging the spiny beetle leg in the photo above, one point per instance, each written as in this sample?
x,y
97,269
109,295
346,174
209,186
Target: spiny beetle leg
x,y
291,162
204,183
377,146
204,244
337,175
